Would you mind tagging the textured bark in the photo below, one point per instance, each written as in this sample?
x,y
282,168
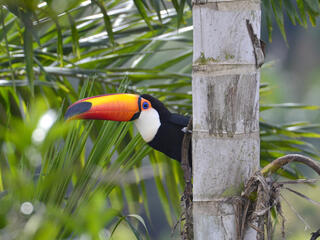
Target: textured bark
x,y
225,89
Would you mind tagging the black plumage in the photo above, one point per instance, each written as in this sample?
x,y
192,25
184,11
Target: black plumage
x,y
169,136
166,133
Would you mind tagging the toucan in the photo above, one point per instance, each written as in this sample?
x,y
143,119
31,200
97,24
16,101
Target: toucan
x,y
161,129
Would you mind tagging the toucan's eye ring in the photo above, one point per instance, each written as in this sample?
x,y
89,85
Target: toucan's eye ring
x,y
145,105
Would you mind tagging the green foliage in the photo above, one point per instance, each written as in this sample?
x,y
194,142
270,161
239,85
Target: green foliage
x,y
47,168
77,189
298,11
88,178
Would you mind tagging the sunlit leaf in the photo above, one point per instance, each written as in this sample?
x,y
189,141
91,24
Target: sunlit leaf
x,y
107,22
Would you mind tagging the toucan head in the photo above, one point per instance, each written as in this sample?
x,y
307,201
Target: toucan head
x,y
144,110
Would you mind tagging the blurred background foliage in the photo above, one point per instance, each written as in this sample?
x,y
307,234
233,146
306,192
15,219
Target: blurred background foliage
x,y
99,180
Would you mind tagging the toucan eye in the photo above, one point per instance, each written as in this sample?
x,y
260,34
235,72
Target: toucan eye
x,y
145,105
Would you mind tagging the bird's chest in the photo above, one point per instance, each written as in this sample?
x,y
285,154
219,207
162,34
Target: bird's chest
x,y
168,140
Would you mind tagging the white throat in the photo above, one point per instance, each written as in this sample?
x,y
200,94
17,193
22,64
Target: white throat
x,y
148,124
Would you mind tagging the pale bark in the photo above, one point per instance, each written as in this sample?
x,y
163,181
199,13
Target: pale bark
x,y
225,89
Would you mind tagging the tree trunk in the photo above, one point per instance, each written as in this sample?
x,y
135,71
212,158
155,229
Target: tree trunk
x,y
225,87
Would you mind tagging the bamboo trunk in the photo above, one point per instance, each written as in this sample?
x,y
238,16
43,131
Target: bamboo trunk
x,y
225,87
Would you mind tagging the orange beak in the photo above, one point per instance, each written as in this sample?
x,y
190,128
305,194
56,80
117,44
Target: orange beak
x,y
114,107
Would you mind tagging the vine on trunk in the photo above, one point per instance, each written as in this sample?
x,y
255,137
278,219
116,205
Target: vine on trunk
x,y
261,195
186,199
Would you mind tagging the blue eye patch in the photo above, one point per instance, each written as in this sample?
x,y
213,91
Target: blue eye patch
x,y
145,105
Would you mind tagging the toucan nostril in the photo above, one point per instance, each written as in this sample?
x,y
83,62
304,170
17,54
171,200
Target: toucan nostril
x,y
77,108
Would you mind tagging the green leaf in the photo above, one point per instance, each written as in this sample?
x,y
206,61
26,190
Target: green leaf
x,y
140,219
277,9
75,37
300,4
313,5
289,106
268,14
176,5
160,187
134,230
172,186
308,134
291,11
60,44
107,21
28,49
141,8
313,12
132,195
145,200
181,11
156,5
4,28
59,40
174,61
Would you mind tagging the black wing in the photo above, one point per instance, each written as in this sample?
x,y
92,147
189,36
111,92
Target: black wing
x,y
178,119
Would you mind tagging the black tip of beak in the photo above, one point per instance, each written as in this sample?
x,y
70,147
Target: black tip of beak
x,y
77,108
